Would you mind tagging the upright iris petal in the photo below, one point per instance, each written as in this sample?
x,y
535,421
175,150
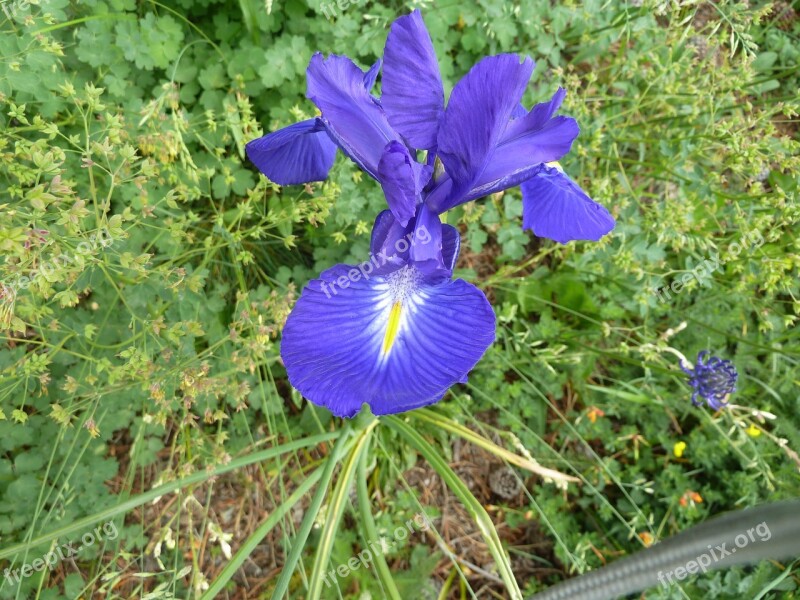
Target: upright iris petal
x,y
372,75
477,114
553,206
394,341
528,140
427,254
402,179
354,120
296,154
413,96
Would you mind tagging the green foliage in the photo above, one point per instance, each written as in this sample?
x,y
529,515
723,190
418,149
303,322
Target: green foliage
x,y
148,269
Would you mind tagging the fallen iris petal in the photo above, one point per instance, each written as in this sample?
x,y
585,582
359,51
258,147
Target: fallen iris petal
x,y
554,207
413,96
296,154
393,342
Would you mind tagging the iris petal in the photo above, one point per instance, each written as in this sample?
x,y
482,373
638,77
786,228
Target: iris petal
x,y
402,179
451,246
354,120
371,75
390,243
515,160
413,96
395,343
538,116
296,154
477,115
529,140
553,206
426,251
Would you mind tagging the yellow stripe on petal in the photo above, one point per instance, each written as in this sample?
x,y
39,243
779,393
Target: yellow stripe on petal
x,y
393,327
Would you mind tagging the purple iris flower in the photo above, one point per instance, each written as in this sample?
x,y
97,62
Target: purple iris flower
x,y
483,141
395,331
712,379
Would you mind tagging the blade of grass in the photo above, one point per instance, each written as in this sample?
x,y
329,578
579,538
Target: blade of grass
x,y
529,464
340,448
367,520
335,511
124,506
259,534
473,506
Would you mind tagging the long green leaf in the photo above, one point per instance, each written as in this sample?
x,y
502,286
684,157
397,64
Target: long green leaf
x,y
86,523
342,446
473,506
527,463
237,560
334,513
365,511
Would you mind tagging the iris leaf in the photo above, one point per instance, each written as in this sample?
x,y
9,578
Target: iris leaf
x,y
527,463
128,504
343,444
471,503
247,548
371,531
335,510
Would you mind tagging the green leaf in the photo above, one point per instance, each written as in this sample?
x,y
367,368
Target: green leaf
x,y
473,506
124,505
333,516
247,548
341,447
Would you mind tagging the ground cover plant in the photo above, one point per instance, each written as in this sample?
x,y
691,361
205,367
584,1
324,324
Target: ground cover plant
x,y
152,444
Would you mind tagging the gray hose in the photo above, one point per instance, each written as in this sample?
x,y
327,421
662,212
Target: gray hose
x,y
770,531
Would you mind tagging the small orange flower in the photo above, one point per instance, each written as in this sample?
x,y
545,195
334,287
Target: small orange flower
x,y
595,412
647,538
690,496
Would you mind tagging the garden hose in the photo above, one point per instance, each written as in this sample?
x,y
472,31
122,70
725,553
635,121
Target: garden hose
x,y
770,531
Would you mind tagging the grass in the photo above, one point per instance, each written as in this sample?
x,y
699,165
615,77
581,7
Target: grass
x,y
141,384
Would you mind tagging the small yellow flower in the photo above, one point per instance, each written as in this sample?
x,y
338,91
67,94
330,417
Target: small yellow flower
x,y
753,431
678,449
92,428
